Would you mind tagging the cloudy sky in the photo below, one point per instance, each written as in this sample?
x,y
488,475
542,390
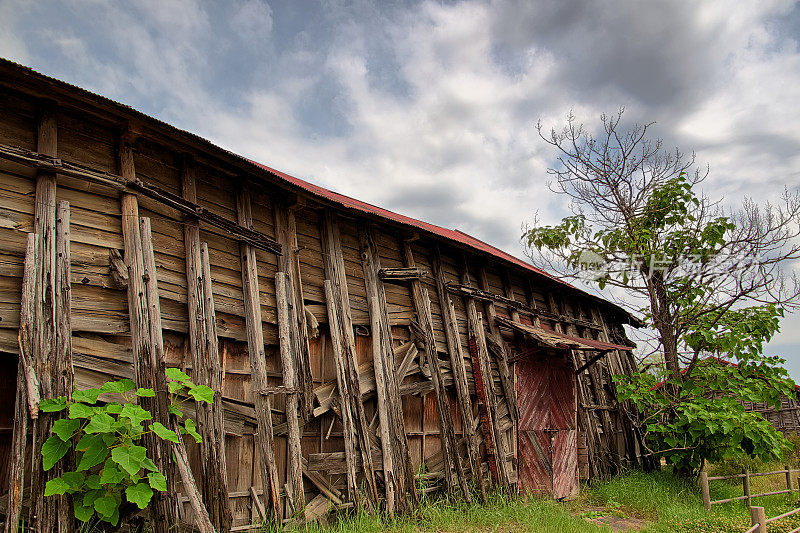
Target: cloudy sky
x,y
428,108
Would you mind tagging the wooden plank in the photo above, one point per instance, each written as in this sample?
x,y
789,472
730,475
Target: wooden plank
x,y
44,511
294,469
338,302
141,340
288,262
204,350
343,384
27,392
258,368
454,468
127,185
157,364
390,408
402,273
459,369
486,391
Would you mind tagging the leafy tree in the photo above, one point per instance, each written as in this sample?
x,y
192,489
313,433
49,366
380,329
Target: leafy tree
x,y
112,467
707,281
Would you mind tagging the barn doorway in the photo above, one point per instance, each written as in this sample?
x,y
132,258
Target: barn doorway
x,y
548,434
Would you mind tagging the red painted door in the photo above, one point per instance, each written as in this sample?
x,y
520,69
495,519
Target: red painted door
x,y
547,436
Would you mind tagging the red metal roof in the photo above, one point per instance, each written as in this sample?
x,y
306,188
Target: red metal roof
x,y
321,192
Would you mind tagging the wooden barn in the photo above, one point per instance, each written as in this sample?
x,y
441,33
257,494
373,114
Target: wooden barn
x,y
359,357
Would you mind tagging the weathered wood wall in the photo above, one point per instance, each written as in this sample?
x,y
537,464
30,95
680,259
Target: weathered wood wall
x,y
462,327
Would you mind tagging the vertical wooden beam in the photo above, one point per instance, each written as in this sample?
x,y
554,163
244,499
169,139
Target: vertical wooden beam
x,y
289,262
294,469
258,367
340,306
206,365
459,370
63,372
19,437
342,382
43,515
477,336
455,476
166,501
390,404
162,514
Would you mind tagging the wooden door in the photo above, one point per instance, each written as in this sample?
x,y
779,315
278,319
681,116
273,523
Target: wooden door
x,y
547,435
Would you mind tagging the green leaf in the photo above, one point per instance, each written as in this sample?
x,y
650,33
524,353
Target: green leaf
x,y
84,514
93,481
139,494
55,486
129,458
74,480
163,432
99,423
111,473
157,481
202,393
120,387
65,428
94,451
145,393
105,506
135,413
79,410
191,429
174,410
86,395
53,449
114,408
148,464
176,374
52,405
174,386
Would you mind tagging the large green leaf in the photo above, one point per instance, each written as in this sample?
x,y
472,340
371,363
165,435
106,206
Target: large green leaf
x,y
157,481
111,473
86,395
105,506
130,458
202,393
52,405
79,410
139,494
84,514
121,386
55,486
176,374
53,449
163,432
94,451
65,428
145,393
135,413
191,429
100,423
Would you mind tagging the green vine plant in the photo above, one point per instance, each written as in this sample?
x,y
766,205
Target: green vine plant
x,y
105,438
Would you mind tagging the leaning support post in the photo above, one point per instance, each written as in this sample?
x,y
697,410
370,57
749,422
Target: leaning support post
x,y
43,512
258,364
25,389
338,304
390,406
63,373
422,308
162,514
294,468
199,511
206,365
704,490
459,370
289,262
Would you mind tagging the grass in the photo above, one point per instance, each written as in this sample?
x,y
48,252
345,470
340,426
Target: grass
x,y
666,503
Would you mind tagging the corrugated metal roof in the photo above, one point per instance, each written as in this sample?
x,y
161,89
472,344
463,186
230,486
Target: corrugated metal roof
x,y
321,192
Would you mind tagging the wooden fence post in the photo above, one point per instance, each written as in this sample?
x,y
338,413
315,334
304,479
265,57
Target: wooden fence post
x,y
758,516
789,484
704,490
746,485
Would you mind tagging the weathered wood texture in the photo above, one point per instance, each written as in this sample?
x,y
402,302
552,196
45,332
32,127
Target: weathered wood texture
x,y
204,348
255,344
